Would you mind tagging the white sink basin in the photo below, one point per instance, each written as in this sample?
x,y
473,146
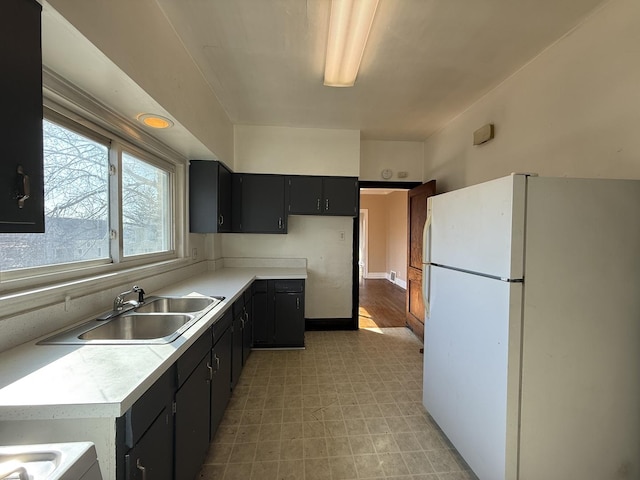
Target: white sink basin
x,y
52,461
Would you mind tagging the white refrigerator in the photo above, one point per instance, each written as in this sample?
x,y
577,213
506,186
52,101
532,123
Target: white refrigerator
x,y
532,326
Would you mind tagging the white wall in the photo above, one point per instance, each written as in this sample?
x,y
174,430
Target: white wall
x,y
378,155
572,111
329,259
296,151
302,151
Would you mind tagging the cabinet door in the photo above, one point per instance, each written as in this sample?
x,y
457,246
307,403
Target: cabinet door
x,y
340,196
262,203
224,200
152,456
289,314
209,197
305,195
21,168
247,332
221,379
192,421
263,325
236,349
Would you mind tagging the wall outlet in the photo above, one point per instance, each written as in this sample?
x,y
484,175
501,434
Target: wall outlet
x,y
341,236
194,253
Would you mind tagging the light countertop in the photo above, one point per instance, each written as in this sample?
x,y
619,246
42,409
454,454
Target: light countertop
x,y
84,381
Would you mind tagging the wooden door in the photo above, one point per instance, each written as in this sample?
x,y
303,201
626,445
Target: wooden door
x,y
417,215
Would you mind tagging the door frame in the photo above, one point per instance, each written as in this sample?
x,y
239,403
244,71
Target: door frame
x,y
364,215
356,241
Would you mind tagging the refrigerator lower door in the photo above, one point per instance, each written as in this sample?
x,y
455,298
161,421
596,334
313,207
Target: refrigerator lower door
x,y
472,368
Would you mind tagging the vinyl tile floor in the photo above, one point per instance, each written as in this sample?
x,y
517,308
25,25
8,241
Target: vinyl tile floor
x,y
349,406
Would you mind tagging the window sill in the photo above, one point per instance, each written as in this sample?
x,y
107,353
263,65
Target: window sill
x,y
91,280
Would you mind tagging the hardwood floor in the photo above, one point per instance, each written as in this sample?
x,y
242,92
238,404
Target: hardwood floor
x,y
382,304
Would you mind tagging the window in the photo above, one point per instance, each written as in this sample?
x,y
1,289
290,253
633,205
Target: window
x,y
76,185
146,214
80,225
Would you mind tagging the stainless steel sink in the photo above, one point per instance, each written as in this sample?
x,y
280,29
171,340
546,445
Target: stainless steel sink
x,y
138,327
159,320
175,304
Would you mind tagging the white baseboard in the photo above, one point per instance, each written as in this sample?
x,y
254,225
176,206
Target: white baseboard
x,y
377,275
387,276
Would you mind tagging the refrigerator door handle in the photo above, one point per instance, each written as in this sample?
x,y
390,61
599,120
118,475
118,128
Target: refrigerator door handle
x,y
426,259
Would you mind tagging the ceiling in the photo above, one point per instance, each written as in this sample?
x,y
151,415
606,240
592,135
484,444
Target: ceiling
x,y
426,60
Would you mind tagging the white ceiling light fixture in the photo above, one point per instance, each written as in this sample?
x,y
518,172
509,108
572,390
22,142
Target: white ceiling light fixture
x,y
349,28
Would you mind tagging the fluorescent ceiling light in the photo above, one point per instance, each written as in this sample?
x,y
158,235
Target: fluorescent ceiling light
x,y
349,28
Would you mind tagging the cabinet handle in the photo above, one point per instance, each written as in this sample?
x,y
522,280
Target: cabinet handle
x,y
280,222
246,315
298,303
217,362
326,205
210,371
318,207
142,469
221,220
242,322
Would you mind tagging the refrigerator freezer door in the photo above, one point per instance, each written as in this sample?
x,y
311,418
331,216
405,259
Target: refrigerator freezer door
x,y
481,228
472,368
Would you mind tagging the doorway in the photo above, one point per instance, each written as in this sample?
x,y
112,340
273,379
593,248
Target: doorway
x,y
380,255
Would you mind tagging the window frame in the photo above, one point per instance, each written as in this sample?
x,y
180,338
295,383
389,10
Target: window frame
x,y
20,282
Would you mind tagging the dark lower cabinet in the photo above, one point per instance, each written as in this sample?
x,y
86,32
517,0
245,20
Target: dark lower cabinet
x,y
242,334
263,322
152,456
144,434
247,326
237,343
166,434
289,319
192,404
278,313
221,374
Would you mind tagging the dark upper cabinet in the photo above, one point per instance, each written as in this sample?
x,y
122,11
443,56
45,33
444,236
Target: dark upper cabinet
x,y
310,195
21,162
259,203
209,197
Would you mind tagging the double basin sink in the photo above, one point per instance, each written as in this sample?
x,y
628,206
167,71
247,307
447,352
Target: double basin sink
x,y
158,320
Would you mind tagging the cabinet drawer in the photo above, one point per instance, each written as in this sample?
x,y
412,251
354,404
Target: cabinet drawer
x,y
259,286
190,359
238,306
222,325
288,286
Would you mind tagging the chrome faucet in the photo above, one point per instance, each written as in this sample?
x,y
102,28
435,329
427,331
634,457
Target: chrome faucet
x,y
119,303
